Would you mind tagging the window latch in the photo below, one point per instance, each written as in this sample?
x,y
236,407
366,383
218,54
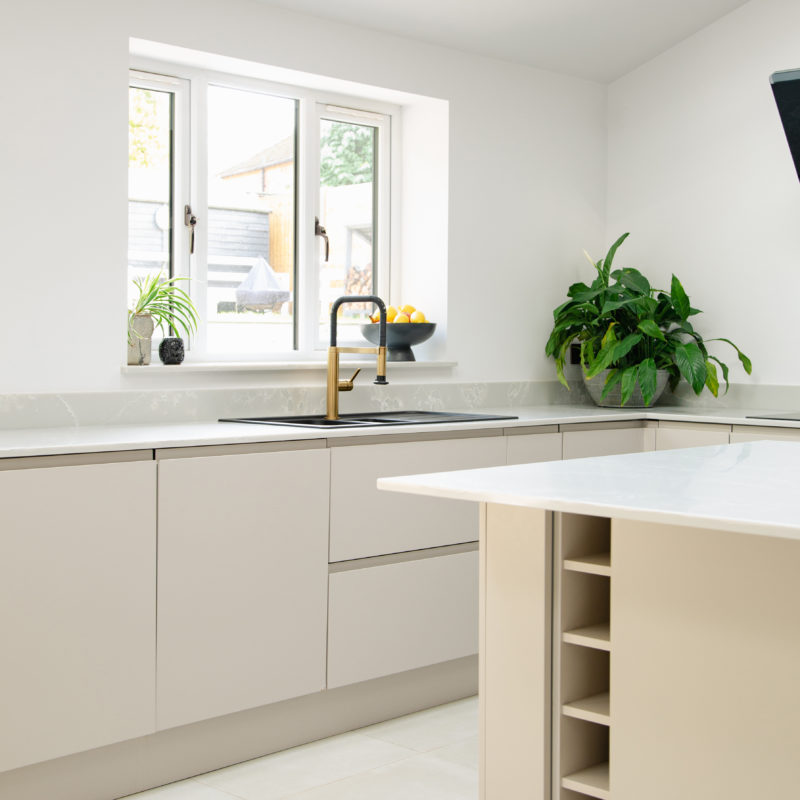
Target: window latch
x,y
189,220
319,230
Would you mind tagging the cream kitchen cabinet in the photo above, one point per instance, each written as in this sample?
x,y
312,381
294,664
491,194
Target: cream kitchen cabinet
x,y
584,440
365,522
760,433
77,607
675,435
242,581
394,617
531,445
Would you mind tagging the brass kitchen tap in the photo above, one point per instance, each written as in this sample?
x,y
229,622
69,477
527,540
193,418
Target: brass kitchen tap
x,y
334,384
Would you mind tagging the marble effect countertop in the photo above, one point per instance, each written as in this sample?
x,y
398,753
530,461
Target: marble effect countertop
x,y
744,488
93,439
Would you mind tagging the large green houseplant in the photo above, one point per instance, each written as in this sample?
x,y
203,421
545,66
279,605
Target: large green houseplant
x,y
629,332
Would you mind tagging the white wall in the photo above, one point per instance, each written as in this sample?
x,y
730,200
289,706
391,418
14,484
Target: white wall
x,y
527,161
700,173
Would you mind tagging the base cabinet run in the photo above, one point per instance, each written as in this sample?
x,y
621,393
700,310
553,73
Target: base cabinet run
x,y
242,577
77,608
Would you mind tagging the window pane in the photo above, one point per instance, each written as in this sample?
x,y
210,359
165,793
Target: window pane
x,y
347,204
149,184
251,191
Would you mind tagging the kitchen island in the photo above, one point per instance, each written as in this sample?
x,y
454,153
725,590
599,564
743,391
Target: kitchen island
x,y
639,623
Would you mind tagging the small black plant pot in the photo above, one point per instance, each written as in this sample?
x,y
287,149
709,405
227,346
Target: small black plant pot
x,y
171,350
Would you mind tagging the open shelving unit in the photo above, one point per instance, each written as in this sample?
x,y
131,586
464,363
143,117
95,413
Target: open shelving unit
x,y
582,656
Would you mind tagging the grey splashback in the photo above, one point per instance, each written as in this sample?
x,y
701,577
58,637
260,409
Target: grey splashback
x,y
193,405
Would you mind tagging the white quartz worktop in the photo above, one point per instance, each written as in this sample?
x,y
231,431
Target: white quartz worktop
x,y
93,439
746,488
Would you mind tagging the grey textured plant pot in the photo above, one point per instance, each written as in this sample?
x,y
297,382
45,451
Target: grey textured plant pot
x,y
614,398
140,339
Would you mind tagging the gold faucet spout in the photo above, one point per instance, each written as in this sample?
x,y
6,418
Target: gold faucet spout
x,y
334,385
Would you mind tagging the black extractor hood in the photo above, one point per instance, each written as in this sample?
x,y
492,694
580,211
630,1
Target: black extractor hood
x,y
786,88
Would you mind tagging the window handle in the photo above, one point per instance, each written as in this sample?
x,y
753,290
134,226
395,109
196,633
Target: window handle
x,y
189,220
319,230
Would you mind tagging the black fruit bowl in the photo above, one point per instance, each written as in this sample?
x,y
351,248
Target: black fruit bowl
x,y
399,337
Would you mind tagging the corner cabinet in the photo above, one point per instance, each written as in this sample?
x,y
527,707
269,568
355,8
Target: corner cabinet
x,y
77,608
242,581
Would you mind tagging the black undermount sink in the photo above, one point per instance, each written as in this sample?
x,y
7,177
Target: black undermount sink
x,y
375,419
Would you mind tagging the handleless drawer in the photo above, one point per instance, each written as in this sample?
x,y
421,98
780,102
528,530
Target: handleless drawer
x,y
396,617
367,522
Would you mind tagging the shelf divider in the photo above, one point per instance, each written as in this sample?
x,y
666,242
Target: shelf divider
x,y
592,709
597,564
592,781
596,636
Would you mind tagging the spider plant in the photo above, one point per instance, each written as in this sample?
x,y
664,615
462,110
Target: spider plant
x,y
631,329
164,301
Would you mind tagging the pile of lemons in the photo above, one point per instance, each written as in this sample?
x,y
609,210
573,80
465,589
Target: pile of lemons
x,y
403,314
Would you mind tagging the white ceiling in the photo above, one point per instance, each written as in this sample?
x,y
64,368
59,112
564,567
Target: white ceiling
x,y
595,39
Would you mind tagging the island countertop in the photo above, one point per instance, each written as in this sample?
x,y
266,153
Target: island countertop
x,y
748,488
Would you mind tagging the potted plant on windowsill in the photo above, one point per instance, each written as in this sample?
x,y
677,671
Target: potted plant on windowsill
x,y
634,339
160,302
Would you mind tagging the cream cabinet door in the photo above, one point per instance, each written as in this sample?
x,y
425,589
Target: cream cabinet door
x,y
77,608
530,448
366,522
604,441
396,617
242,581
675,435
760,433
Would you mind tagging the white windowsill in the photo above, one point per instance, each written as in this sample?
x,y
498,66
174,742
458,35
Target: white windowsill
x,y
275,366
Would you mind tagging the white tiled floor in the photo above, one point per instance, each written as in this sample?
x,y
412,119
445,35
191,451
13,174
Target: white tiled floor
x,y
431,755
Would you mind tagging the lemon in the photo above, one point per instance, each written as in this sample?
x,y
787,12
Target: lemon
x,y
418,316
408,310
402,318
391,313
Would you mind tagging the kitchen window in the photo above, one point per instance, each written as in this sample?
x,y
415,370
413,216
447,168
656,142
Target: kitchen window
x,y
273,200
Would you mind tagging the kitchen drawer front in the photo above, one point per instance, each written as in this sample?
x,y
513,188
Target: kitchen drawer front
x,y
677,435
762,433
396,617
531,448
604,442
367,522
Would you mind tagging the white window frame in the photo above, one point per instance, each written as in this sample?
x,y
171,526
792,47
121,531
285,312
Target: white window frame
x,y
181,167
190,144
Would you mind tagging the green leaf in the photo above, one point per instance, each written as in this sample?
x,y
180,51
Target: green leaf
x,y
746,363
712,381
561,308
651,329
680,299
560,360
692,365
647,380
613,305
634,280
612,251
724,368
621,349
612,379
610,337
628,383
